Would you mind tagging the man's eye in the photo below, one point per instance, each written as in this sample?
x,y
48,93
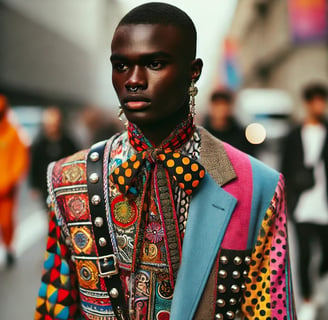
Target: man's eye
x,y
156,65
120,67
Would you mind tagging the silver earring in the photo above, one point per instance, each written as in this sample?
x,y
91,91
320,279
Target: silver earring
x,y
193,90
120,112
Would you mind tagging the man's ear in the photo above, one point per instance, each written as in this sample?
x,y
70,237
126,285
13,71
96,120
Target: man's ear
x,y
196,69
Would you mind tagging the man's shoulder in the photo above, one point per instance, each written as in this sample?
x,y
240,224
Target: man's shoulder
x,y
77,157
257,167
70,170
242,162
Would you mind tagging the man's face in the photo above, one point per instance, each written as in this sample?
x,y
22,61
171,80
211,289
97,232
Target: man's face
x,y
317,107
152,71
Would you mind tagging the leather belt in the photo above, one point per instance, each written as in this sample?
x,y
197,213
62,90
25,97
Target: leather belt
x,y
106,260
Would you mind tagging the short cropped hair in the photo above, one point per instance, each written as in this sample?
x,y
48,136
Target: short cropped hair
x,y
222,94
165,14
314,90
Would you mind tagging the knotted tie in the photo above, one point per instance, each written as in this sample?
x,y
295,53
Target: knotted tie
x,y
161,163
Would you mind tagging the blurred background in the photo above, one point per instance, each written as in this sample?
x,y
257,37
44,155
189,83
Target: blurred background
x,y
56,54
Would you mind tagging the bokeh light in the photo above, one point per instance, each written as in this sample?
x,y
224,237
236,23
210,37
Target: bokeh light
x,y
255,133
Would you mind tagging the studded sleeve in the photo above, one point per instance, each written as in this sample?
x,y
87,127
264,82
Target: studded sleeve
x,y
268,293
58,294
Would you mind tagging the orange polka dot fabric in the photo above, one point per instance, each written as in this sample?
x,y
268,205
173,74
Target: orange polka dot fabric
x,y
187,172
184,170
268,294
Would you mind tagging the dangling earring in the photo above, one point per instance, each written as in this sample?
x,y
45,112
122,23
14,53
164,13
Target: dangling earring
x,y
193,90
120,112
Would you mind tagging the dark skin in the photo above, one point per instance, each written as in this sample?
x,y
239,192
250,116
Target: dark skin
x,y
152,72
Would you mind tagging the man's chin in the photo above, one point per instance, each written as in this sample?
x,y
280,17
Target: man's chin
x,y
139,118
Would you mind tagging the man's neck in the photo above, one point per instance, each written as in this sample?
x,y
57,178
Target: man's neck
x,y
313,121
158,132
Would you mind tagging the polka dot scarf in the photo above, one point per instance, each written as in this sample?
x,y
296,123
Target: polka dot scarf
x,y
161,164
186,171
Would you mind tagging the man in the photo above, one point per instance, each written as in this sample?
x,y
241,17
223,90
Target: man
x,y
51,144
196,227
221,123
13,166
305,165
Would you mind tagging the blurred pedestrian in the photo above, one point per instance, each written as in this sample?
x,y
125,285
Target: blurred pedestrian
x,y
305,166
220,121
99,124
13,165
51,144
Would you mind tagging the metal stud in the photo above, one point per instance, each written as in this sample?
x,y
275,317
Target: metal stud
x,y
99,222
95,200
114,293
247,260
245,273
223,274
220,303
237,260
94,178
230,314
232,301
219,316
94,156
243,287
68,241
235,288
224,259
102,241
236,274
222,288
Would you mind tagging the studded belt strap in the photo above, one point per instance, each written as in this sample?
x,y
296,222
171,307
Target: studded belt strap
x,y
106,260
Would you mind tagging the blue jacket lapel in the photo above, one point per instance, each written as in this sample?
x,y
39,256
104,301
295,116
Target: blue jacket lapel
x,y
209,214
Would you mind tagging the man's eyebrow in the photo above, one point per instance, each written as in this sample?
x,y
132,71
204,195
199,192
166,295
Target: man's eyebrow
x,y
146,56
116,56
155,55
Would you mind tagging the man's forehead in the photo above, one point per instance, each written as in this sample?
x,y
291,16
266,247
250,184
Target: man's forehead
x,y
147,33
146,39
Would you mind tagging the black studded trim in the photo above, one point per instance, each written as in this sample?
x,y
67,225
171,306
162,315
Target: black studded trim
x,y
106,260
232,273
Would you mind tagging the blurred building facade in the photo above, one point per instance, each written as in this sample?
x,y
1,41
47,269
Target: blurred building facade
x,y
269,53
56,51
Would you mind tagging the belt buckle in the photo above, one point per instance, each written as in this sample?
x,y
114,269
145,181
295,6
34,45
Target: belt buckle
x,y
107,265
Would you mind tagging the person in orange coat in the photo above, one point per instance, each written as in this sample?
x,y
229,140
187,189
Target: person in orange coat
x,y
13,164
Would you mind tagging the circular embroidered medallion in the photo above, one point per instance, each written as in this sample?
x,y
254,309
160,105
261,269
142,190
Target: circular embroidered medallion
x,y
124,213
154,232
150,251
88,274
85,274
76,205
82,240
165,290
163,315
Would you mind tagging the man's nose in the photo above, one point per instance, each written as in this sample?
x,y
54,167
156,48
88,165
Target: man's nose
x,y
137,78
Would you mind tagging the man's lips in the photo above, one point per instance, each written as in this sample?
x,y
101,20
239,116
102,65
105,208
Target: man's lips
x,y
136,105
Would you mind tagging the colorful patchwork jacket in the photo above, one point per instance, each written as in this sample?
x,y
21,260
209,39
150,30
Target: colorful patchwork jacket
x,y
234,260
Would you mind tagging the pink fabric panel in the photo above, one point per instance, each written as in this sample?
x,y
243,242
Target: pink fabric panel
x,y
241,188
279,256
